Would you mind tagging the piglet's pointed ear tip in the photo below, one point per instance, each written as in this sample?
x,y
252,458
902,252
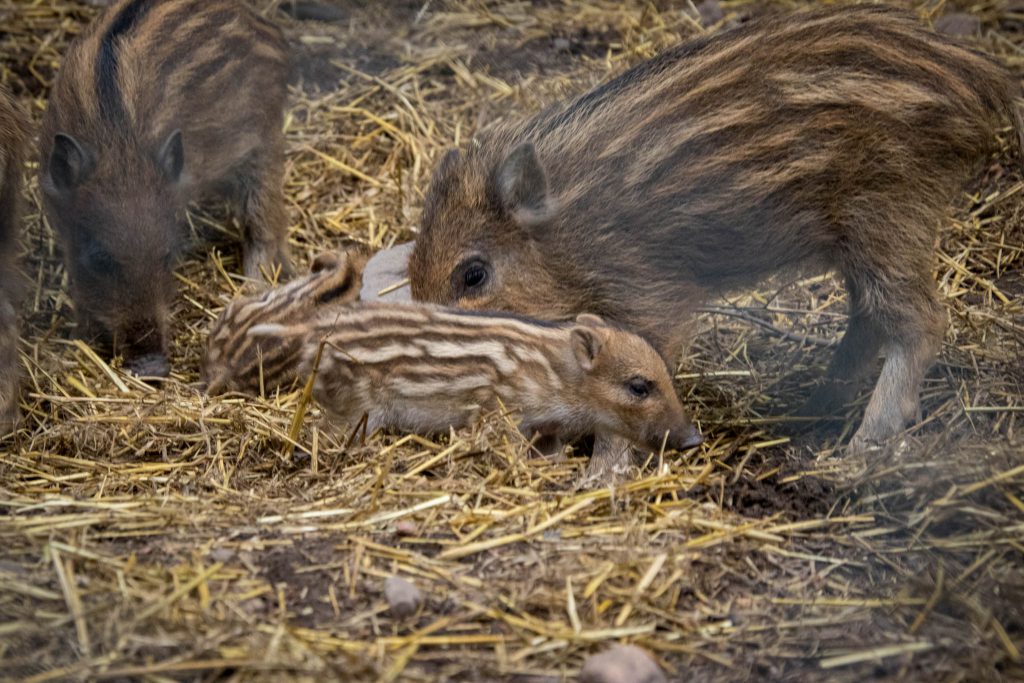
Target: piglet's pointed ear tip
x,y
522,185
586,345
590,320
327,260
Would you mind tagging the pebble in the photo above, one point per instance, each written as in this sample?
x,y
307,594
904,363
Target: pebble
x,y
406,527
958,25
710,12
404,598
622,664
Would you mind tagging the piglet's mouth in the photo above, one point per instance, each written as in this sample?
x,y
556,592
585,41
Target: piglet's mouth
x,y
148,365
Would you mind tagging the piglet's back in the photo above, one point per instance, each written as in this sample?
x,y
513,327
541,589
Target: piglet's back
x,y
236,360
145,68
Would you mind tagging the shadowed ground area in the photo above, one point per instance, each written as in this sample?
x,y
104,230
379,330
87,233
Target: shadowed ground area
x,y
154,533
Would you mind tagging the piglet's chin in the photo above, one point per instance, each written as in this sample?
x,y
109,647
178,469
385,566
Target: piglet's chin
x,y
149,365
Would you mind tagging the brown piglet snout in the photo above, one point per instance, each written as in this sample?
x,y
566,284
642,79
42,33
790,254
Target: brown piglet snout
x,y
684,435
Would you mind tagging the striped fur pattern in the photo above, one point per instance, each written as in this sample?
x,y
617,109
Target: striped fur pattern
x,y
426,369
12,137
159,103
237,361
826,140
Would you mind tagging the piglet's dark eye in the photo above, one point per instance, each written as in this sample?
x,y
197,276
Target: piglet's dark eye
x,y
471,275
639,387
475,276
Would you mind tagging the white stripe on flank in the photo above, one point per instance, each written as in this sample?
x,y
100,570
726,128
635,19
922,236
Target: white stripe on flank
x,y
439,388
381,354
494,351
475,320
532,354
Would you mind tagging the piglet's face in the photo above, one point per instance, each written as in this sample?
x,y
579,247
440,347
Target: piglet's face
x,y
627,385
483,234
119,222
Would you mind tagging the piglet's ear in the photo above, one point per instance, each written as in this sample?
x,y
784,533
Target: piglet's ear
x,y
590,320
70,163
171,158
443,179
586,345
446,167
522,187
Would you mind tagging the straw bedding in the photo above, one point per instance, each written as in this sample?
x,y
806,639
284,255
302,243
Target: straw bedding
x,y
153,533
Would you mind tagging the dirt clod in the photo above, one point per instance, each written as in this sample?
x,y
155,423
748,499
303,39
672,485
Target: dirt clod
x,y
622,664
404,598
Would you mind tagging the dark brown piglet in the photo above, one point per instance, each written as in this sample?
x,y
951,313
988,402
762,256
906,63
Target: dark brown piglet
x,y
12,136
826,140
158,103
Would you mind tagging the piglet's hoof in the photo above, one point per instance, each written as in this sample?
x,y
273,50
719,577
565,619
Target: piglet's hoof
x,y
622,664
149,365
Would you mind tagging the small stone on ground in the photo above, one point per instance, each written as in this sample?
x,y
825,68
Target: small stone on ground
x,y
622,664
404,598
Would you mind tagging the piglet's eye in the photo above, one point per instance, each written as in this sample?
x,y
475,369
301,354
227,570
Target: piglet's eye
x,y
470,276
475,276
639,387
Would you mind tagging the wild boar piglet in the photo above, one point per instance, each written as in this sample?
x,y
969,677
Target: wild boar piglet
x,y
822,140
156,104
237,361
12,138
426,369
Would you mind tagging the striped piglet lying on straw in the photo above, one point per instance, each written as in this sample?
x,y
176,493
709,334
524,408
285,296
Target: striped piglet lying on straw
x,y
422,368
235,361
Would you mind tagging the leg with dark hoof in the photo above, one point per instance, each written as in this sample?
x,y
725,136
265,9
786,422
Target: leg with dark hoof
x,y
850,363
914,325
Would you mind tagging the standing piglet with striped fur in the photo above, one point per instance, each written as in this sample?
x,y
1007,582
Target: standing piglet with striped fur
x,y
426,369
12,136
159,103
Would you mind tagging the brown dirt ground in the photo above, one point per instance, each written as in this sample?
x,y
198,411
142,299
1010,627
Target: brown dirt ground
x,y
157,534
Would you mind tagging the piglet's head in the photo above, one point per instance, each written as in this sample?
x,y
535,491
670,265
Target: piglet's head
x,y
117,212
484,233
626,384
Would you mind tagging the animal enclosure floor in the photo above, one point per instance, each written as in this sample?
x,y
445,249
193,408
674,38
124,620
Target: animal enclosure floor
x,y
153,533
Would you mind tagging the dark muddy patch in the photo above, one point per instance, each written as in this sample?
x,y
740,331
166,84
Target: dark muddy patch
x,y
327,37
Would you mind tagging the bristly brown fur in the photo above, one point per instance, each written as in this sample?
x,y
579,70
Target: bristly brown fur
x,y
826,140
237,361
158,103
426,369
12,139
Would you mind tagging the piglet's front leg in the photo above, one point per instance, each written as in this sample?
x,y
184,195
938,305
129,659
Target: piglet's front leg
x,y
609,463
